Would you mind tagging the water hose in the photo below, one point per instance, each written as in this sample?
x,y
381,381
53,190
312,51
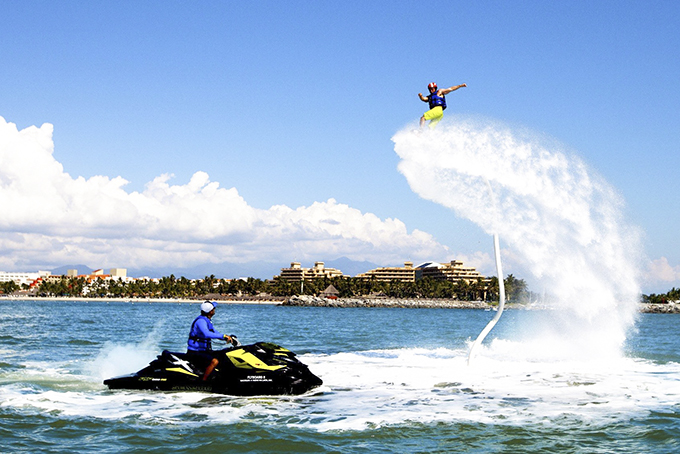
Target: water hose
x,y
501,294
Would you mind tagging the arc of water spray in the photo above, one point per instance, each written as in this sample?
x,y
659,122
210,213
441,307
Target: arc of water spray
x,y
501,291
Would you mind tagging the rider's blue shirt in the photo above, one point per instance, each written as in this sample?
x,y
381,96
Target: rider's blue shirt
x,y
202,330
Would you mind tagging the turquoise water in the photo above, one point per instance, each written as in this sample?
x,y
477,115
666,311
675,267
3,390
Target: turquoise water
x,y
395,380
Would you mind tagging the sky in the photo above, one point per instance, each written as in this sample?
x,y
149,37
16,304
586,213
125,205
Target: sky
x,y
148,135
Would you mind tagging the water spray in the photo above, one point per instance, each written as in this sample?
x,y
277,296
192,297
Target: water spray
x,y
501,295
564,221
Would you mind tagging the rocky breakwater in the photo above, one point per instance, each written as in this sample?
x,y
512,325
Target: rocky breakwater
x,y
671,307
316,301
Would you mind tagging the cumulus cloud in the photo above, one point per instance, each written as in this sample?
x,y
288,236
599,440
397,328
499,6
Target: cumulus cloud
x,y
659,271
50,218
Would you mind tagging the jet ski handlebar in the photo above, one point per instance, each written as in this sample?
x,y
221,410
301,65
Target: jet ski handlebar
x,y
232,339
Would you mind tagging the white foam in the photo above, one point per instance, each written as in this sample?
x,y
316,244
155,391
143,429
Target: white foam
x,y
426,387
509,384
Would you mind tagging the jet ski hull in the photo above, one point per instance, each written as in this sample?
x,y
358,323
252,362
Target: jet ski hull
x,y
251,370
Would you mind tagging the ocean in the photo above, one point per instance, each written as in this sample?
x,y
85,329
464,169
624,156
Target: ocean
x,y
395,380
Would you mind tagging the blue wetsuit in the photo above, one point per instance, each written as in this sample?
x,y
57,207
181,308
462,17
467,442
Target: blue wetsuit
x,y
202,331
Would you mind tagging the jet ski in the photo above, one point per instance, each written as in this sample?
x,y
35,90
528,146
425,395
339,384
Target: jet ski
x,y
259,369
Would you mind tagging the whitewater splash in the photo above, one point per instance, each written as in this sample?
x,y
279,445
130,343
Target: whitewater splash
x,y
117,358
562,221
369,389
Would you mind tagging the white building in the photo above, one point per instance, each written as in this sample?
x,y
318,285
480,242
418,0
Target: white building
x,y
118,272
21,278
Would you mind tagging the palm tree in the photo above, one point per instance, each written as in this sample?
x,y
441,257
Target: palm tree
x,y
515,289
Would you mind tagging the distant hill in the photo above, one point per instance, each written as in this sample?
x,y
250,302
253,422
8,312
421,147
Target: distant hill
x,y
82,269
225,270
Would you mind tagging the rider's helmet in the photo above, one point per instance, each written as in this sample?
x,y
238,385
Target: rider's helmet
x,y
432,86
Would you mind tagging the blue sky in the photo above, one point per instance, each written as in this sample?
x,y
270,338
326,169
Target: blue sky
x,y
294,104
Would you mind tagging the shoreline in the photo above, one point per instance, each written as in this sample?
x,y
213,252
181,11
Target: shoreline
x,y
314,301
111,299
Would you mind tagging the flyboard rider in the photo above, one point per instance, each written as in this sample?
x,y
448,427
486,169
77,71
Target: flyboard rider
x,y
199,345
437,101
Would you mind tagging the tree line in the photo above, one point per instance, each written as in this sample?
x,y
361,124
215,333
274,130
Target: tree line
x,y
173,287
8,287
672,295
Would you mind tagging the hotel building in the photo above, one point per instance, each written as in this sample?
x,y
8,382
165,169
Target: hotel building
x,y
452,272
297,273
407,273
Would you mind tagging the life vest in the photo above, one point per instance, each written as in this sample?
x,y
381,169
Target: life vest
x,y
196,341
435,100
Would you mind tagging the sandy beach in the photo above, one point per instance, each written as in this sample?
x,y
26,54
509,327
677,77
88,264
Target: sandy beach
x,y
143,300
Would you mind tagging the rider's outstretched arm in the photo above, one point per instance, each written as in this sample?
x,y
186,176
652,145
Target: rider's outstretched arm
x,y
446,91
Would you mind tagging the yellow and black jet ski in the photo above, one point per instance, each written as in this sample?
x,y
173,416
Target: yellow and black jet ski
x,y
250,370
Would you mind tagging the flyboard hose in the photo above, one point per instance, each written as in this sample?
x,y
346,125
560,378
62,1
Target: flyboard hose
x,y
501,293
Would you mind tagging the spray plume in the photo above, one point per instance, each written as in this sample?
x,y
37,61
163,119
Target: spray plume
x,y
561,220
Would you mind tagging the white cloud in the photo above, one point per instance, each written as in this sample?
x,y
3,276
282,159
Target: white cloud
x,y
50,218
660,270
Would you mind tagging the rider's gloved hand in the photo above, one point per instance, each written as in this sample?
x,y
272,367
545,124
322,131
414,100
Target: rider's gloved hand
x,y
228,338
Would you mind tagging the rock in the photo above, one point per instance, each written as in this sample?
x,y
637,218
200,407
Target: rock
x,y
315,301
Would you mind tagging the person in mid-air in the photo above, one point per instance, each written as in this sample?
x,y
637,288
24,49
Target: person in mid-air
x,y
437,101
199,346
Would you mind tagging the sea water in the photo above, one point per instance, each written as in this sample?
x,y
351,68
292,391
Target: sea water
x,y
395,380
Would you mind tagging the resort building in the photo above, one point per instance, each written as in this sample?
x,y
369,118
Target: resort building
x,y
407,273
118,272
452,272
21,278
114,273
297,273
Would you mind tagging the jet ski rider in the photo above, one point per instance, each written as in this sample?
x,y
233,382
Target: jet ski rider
x,y
199,345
